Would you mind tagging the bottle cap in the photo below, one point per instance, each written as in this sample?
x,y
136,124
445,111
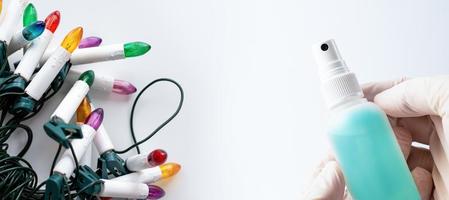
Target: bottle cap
x,y
338,83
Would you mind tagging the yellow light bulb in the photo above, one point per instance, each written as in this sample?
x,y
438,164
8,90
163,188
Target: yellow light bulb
x,y
83,110
169,169
71,40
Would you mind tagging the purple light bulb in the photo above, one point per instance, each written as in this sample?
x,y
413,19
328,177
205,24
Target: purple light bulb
x,y
123,87
95,118
92,41
155,192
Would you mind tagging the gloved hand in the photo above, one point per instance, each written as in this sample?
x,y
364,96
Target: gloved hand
x,y
418,110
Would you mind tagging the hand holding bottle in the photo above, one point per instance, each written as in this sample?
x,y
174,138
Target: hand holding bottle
x,y
418,110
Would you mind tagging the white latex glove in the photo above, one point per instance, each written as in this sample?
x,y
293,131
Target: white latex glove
x,y
418,109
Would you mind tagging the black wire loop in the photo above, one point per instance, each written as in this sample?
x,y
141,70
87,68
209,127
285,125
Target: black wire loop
x,y
133,108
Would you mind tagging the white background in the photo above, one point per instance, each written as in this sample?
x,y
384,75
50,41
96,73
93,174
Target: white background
x,y
253,118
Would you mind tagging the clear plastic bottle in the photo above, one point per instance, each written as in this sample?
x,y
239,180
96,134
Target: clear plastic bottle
x,y
363,141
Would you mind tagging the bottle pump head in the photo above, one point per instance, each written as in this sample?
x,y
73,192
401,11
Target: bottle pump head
x,y
338,83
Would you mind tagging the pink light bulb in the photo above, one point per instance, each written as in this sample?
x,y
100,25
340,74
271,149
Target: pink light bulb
x,y
155,192
95,118
90,42
123,87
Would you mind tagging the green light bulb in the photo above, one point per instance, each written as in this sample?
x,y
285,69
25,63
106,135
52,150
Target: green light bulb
x,y
88,77
29,15
133,49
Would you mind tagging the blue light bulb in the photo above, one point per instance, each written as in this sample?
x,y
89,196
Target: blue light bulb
x,y
33,31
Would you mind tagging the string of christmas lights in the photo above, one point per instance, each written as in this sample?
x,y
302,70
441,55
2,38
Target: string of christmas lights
x,y
26,86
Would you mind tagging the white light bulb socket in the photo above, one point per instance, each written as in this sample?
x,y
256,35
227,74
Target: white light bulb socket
x,y
98,54
94,54
34,52
66,164
47,73
17,42
102,83
102,141
122,189
67,108
149,175
11,19
87,157
47,55
137,162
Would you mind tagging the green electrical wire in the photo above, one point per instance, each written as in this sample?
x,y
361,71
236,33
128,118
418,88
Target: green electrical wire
x,y
18,180
133,108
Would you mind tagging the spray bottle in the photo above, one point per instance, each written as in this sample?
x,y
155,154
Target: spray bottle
x,y
361,135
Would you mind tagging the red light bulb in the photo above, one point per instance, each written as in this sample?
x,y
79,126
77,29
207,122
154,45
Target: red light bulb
x,y
157,157
52,21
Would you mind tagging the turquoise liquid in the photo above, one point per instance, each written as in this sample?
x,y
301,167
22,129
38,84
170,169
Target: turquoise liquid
x,y
369,155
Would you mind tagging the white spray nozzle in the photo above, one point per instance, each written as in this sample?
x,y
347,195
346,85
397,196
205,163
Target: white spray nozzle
x,y
338,83
329,60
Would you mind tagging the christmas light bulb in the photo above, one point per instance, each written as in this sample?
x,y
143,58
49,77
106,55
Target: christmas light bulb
x,y
72,39
83,110
74,98
29,15
157,157
106,53
142,161
95,118
66,164
104,83
88,77
11,19
52,21
123,87
90,42
134,49
155,192
23,38
84,43
102,140
129,190
42,80
169,169
33,31
34,53
1,6
151,175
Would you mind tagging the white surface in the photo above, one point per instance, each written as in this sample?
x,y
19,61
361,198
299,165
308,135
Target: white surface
x,y
249,76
